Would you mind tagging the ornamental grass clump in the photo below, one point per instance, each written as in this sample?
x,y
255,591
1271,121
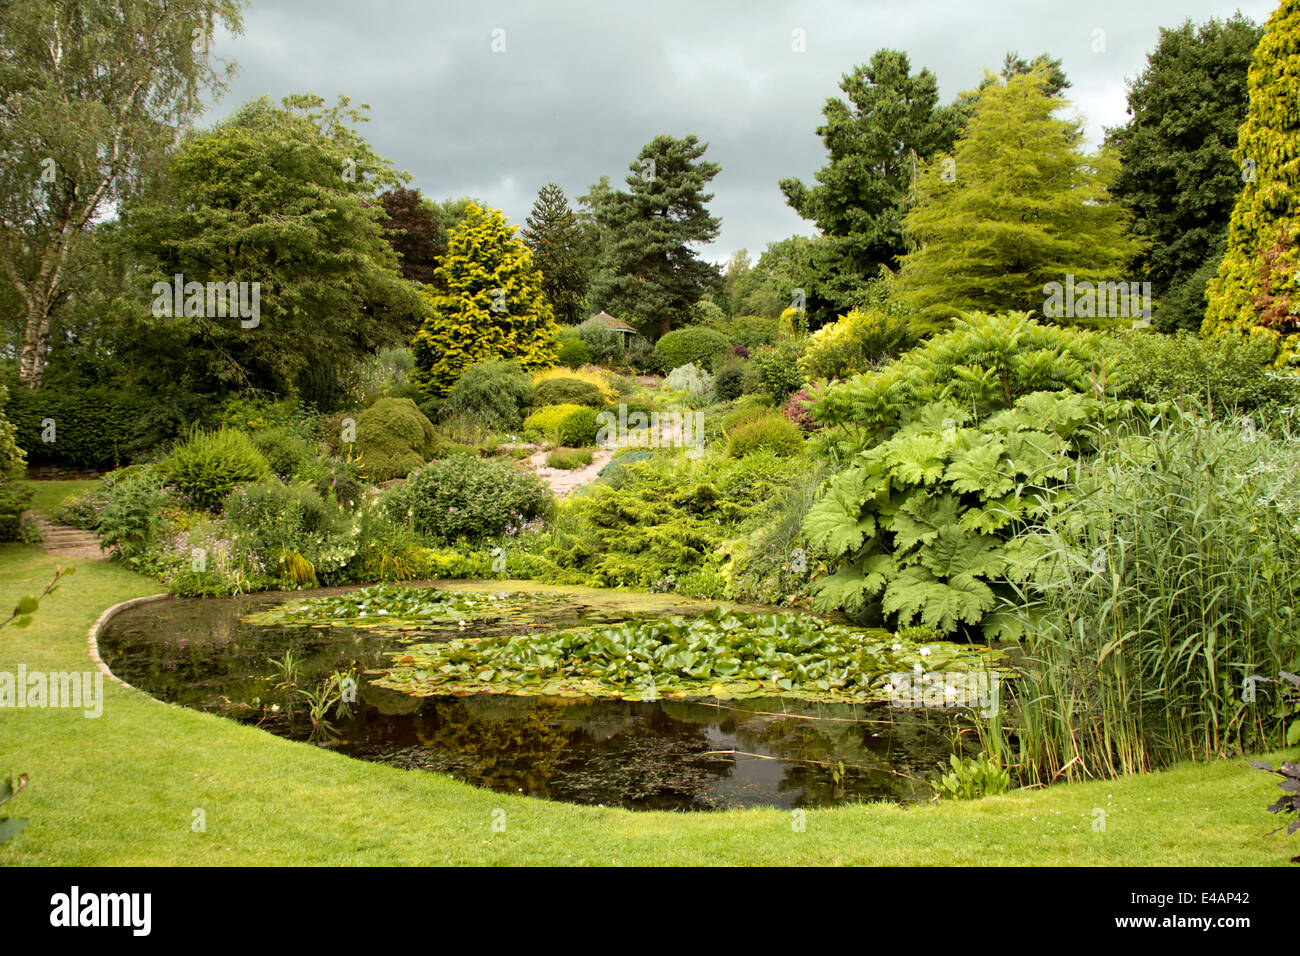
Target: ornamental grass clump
x,y
1163,604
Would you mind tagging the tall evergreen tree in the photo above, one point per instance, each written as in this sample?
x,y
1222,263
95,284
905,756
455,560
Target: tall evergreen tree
x,y
488,303
891,122
1016,207
1177,177
1258,284
649,272
555,238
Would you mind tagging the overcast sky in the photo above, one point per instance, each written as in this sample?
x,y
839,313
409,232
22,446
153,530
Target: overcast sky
x,y
580,87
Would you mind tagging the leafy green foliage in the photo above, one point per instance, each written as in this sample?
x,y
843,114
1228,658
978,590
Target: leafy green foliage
x,y
985,364
694,345
289,529
972,778
660,522
545,422
604,343
722,653
10,827
98,91
496,393
465,496
96,426
211,464
1222,374
492,306
926,521
777,368
729,382
855,343
396,607
573,350
578,428
129,522
1257,289
393,438
1177,176
689,378
266,198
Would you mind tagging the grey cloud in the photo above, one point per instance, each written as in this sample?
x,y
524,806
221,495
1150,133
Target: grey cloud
x,y
581,86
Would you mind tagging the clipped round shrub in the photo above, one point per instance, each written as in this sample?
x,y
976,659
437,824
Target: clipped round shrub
x,y
578,428
773,432
393,439
568,391
495,393
729,383
212,464
573,351
469,497
693,345
568,459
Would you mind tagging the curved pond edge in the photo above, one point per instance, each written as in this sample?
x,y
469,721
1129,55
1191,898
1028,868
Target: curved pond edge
x,y
92,638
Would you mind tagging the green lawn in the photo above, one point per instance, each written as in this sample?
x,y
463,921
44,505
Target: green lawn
x,y
50,494
122,790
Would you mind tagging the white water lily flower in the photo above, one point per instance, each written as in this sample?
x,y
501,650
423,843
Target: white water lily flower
x,y
925,652
896,648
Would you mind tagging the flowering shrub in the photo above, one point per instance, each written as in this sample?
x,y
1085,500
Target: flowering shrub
x,y
797,409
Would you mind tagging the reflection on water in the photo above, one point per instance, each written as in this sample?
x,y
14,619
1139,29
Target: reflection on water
x,y
667,754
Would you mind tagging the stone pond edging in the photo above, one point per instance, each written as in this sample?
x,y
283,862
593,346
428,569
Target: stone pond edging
x,y
92,637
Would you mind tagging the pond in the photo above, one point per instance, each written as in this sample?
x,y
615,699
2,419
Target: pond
x,y
683,752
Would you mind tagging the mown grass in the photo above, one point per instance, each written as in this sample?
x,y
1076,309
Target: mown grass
x,y
48,495
122,789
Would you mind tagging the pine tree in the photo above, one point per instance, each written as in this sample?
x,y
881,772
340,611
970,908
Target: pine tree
x,y
891,121
1016,207
492,307
555,238
1258,284
649,273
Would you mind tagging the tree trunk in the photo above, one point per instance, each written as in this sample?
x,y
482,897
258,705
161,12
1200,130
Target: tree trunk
x,y
665,324
31,363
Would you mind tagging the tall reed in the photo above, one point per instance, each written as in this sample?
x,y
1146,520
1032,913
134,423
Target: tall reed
x,y
1157,598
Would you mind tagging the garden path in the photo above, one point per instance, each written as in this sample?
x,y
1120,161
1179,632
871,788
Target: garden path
x,y
65,541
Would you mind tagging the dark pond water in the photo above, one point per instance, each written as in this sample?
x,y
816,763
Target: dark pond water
x,y
667,754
